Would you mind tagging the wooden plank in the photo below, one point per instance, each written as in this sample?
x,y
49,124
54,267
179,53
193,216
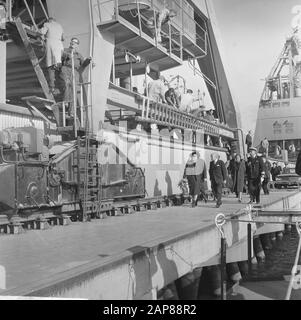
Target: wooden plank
x,y
34,60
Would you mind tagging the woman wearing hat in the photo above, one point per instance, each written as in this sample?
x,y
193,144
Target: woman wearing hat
x,y
196,174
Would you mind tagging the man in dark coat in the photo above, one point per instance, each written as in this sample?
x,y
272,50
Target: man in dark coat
x,y
255,175
275,171
67,74
249,140
218,177
266,169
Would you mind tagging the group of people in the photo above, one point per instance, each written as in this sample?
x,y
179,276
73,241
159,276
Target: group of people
x,y
196,174
62,60
158,92
253,173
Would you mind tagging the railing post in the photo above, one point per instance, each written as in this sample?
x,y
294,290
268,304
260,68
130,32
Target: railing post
x,y
74,94
249,233
64,114
169,34
139,18
223,269
220,221
82,105
147,108
44,10
155,22
116,10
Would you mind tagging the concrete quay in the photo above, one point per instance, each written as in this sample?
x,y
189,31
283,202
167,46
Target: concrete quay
x,y
126,257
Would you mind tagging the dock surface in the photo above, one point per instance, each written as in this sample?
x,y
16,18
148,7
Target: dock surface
x,y
40,254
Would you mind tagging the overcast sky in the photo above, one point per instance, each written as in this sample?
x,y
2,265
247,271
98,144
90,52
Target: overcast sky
x,y
253,33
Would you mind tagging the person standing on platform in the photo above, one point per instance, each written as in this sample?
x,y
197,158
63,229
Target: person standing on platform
x,y
171,98
275,171
3,20
187,100
255,175
238,172
54,35
249,141
265,146
286,169
266,180
162,18
67,73
218,177
196,174
156,90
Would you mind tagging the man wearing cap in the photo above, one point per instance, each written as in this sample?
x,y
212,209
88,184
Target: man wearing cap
x,y
255,175
66,72
54,36
218,177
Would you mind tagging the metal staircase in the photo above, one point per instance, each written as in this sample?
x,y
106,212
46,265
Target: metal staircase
x,y
24,26
89,179
33,59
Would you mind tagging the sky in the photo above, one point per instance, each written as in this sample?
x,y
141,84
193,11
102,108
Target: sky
x,y
253,33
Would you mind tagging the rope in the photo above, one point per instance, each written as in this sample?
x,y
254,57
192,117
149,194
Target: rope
x,y
295,279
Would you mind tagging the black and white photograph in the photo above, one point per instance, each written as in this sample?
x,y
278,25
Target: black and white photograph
x,y
150,153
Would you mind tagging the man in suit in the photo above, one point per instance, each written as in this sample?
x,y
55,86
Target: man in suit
x,y
255,174
218,177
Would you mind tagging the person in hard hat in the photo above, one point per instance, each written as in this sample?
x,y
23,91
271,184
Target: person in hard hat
x,y
67,73
54,35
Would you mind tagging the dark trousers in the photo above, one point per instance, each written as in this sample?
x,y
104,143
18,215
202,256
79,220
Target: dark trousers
x,y
51,76
265,186
217,189
254,189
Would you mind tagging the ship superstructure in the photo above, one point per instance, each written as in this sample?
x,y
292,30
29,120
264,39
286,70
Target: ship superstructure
x,y
279,111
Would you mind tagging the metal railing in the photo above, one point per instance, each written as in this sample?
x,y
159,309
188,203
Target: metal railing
x,y
81,108
164,114
144,15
